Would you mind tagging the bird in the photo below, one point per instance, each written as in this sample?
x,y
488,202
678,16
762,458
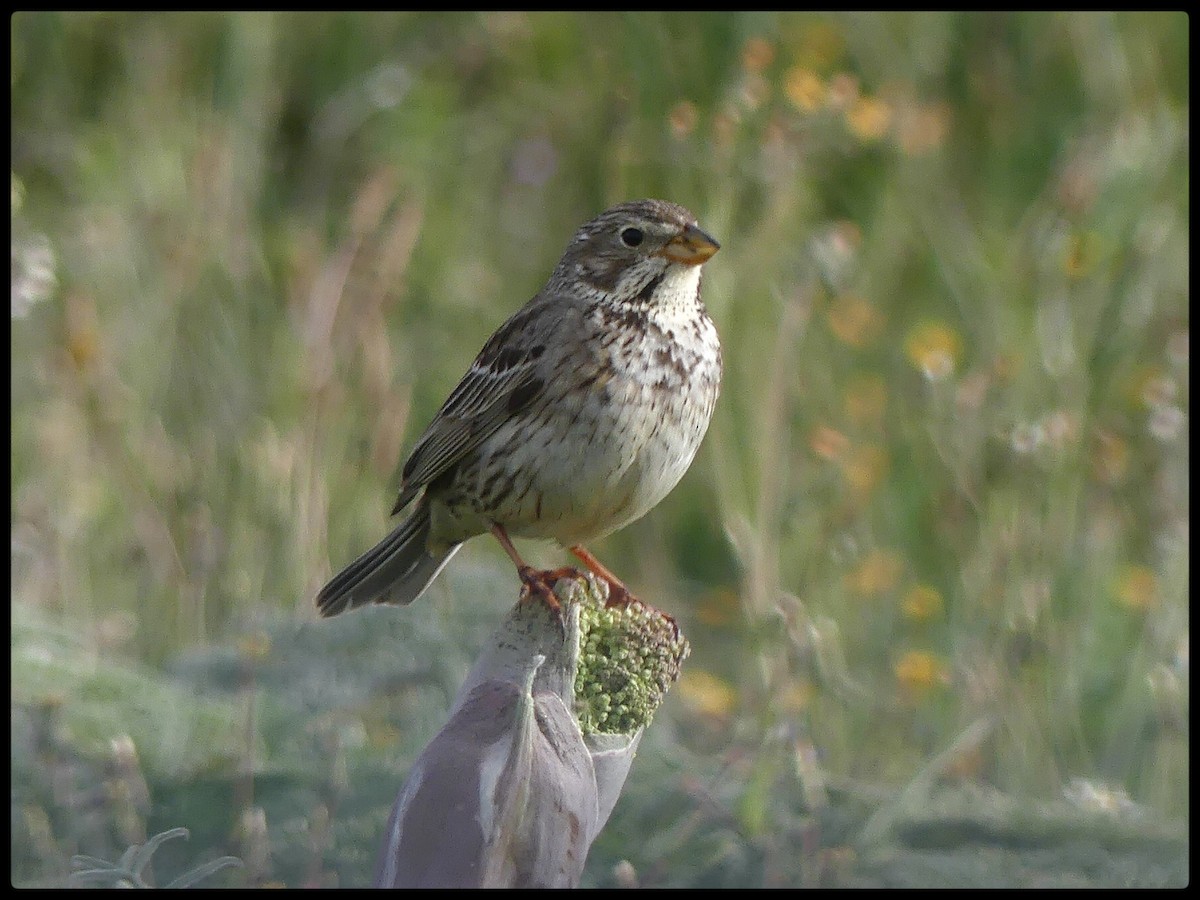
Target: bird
x,y
581,412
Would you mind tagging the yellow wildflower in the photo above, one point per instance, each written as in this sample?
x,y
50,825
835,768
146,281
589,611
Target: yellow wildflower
x,y
1136,588
869,118
877,573
804,89
935,348
918,671
706,693
757,54
864,467
922,602
854,320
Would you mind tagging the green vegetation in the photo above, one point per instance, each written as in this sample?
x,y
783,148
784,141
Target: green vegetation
x,y
945,493
629,656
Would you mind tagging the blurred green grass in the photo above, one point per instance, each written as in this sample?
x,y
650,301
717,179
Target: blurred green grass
x,y
947,482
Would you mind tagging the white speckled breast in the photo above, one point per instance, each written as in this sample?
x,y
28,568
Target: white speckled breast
x,y
635,403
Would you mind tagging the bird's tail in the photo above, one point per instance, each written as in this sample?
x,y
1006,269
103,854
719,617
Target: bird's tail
x,y
396,570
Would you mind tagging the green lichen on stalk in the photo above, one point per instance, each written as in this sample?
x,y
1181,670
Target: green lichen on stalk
x,y
629,656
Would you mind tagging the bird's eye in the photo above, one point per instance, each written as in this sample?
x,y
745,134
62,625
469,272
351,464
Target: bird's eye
x,y
631,237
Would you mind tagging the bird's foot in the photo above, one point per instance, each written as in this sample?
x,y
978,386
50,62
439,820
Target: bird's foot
x,y
539,583
618,594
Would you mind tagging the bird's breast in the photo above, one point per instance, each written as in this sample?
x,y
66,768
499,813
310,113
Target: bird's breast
x,y
620,429
626,406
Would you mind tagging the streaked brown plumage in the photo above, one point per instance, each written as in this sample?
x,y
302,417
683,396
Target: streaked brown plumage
x,y
577,417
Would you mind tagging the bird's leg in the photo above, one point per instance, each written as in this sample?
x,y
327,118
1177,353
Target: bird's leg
x,y
618,594
535,582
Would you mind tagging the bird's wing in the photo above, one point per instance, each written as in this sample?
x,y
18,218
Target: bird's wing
x,y
503,380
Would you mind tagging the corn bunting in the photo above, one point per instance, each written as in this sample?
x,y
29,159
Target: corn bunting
x,y
577,417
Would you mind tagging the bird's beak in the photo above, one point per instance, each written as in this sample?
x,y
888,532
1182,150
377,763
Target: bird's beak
x,y
690,247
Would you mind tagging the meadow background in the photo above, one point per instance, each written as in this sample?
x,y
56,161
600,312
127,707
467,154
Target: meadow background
x,y
935,544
